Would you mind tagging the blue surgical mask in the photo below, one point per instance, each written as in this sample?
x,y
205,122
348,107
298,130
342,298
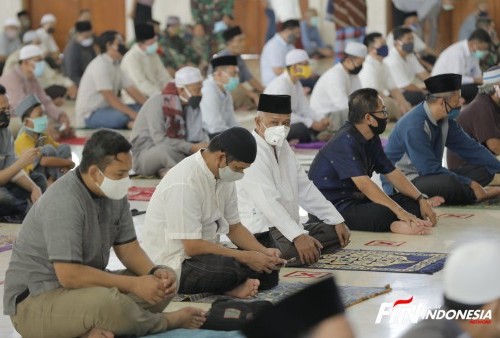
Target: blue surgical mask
x,y
453,112
233,82
151,49
479,54
39,124
383,51
39,68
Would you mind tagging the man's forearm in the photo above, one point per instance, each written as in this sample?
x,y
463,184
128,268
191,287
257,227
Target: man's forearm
x,y
244,239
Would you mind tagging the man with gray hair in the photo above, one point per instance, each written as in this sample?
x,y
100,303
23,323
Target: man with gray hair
x,y
481,119
169,126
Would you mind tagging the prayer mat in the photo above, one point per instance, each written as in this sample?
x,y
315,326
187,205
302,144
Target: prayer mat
x,y
381,261
140,193
186,333
74,141
312,145
492,204
351,295
6,242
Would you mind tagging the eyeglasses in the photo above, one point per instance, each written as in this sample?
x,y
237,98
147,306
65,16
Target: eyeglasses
x,y
383,111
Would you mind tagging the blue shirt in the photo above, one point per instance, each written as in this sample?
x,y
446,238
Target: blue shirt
x,y
347,155
273,56
416,146
311,39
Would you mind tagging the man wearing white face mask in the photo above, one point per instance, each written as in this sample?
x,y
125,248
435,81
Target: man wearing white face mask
x,y
273,189
306,124
58,265
203,187
79,52
217,106
142,64
169,126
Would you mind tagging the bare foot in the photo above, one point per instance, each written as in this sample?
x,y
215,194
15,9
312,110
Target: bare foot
x,y
492,192
98,333
187,318
436,201
245,290
401,227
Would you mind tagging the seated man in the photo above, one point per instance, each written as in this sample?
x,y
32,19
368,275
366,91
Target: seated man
x,y
376,74
216,104
470,281
416,146
169,126
9,40
311,38
463,58
97,103
22,81
343,167
202,186
55,159
235,45
305,123
330,95
57,284
273,189
17,189
481,119
141,63
51,52
404,65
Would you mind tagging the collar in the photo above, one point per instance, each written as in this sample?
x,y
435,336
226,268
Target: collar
x,y
204,167
221,92
281,40
356,133
286,75
79,175
108,58
139,50
465,46
19,72
428,112
371,60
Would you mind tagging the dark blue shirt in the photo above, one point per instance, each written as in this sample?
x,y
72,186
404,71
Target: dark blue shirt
x,y
347,155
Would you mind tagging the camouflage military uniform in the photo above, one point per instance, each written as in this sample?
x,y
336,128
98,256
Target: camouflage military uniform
x,y
175,53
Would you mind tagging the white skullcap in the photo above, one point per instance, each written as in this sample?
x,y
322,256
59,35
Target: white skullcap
x,y
29,51
356,49
187,75
29,36
472,273
11,22
296,56
491,76
47,18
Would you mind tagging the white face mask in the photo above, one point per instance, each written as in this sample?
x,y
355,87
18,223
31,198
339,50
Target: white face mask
x,y
115,189
227,174
275,136
87,42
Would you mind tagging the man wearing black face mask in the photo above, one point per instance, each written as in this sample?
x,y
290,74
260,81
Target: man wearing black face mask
x,y
342,171
330,94
169,125
17,189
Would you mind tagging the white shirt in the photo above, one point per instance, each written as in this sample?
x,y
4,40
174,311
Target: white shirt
x,y
102,73
403,69
301,111
189,203
375,74
423,7
418,44
217,108
270,193
48,43
457,59
273,56
331,92
145,70
286,9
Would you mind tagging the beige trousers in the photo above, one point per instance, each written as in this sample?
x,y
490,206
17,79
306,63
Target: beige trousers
x,y
73,312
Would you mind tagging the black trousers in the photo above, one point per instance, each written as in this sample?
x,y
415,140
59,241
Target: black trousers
x,y
366,215
413,97
454,191
299,131
14,199
219,274
324,233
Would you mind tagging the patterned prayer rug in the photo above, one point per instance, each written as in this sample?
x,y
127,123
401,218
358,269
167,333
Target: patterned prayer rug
x,y
492,204
140,193
6,242
351,295
381,261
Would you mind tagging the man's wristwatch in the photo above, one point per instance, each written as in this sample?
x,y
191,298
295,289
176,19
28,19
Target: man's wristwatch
x,y
157,267
422,196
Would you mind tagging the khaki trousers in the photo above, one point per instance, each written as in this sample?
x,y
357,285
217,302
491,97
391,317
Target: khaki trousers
x,y
73,312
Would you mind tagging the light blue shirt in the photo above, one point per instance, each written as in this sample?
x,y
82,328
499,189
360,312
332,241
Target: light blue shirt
x,y
311,39
273,56
217,108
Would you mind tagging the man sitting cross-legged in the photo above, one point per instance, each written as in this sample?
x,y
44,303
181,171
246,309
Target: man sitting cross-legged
x,y
193,205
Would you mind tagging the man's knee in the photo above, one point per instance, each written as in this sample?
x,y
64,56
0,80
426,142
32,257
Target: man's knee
x,y
49,150
64,151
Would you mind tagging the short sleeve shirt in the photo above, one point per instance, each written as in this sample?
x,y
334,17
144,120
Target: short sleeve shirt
x,y
7,155
347,155
67,224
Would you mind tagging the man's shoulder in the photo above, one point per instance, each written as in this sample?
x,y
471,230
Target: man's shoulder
x,y
435,329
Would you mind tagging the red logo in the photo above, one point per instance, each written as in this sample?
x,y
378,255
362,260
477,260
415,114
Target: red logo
x,y
402,301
